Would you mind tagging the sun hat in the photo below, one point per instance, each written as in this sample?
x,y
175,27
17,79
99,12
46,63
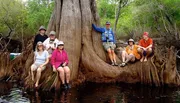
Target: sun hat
x,y
39,43
60,43
42,28
131,40
52,33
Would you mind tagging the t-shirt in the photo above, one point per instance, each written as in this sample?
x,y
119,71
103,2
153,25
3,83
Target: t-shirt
x,y
53,44
145,43
40,59
133,51
38,38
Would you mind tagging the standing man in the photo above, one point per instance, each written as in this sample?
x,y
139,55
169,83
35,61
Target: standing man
x,y
41,36
145,47
108,41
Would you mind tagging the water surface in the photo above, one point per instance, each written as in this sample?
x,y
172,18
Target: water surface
x,y
91,93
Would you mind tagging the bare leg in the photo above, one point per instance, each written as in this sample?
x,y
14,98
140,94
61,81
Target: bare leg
x,y
145,59
38,75
124,56
141,53
124,59
130,57
32,73
114,56
110,55
61,74
149,51
67,73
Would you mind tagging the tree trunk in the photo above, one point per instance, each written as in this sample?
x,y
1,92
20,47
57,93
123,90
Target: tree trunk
x,y
72,20
121,4
117,15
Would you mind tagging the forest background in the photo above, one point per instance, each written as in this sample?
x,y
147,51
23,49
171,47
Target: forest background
x,y
129,18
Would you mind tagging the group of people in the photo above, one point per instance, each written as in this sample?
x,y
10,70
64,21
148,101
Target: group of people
x,y
50,49
133,52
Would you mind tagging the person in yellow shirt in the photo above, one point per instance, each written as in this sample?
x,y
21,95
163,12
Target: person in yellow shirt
x,y
130,54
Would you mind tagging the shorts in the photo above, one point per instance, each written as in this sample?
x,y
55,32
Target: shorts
x,y
126,56
144,53
34,67
108,45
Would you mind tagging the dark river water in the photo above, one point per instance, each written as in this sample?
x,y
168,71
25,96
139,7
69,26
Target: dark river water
x,y
91,93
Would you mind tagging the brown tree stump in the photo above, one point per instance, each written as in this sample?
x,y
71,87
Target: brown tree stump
x,y
72,20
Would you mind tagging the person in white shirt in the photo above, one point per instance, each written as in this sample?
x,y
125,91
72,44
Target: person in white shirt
x,y
51,42
41,59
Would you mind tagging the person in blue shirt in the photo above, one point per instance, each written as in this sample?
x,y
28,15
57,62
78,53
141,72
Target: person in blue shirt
x,y
108,41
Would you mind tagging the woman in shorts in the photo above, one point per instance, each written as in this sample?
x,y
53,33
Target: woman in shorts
x,y
41,59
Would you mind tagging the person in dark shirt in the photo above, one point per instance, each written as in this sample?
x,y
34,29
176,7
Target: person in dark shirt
x,y
40,37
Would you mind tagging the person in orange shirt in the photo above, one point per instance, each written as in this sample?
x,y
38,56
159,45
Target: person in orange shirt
x,y
130,54
145,47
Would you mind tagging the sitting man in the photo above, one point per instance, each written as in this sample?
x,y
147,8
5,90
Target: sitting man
x,y
130,54
145,47
108,41
51,42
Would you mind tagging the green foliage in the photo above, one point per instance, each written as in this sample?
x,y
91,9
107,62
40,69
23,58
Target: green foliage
x,y
12,14
24,18
138,16
38,14
172,8
141,15
106,8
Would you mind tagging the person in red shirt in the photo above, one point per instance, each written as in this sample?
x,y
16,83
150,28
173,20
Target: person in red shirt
x,y
60,61
145,47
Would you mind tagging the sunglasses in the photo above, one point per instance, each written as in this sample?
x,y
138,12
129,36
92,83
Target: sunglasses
x,y
61,45
51,35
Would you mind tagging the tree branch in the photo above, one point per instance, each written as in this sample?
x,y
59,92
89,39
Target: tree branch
x,y
9,34
121,4
5,21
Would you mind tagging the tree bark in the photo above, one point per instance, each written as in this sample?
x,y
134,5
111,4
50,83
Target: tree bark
x,y
72,20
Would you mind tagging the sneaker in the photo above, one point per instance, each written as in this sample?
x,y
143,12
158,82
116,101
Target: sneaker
x,y
112,64
64,86
115,64
68,86
122,64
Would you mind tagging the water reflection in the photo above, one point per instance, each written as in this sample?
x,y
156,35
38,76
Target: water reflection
x,y
4,88
63,97
92,93
10,93
140,94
